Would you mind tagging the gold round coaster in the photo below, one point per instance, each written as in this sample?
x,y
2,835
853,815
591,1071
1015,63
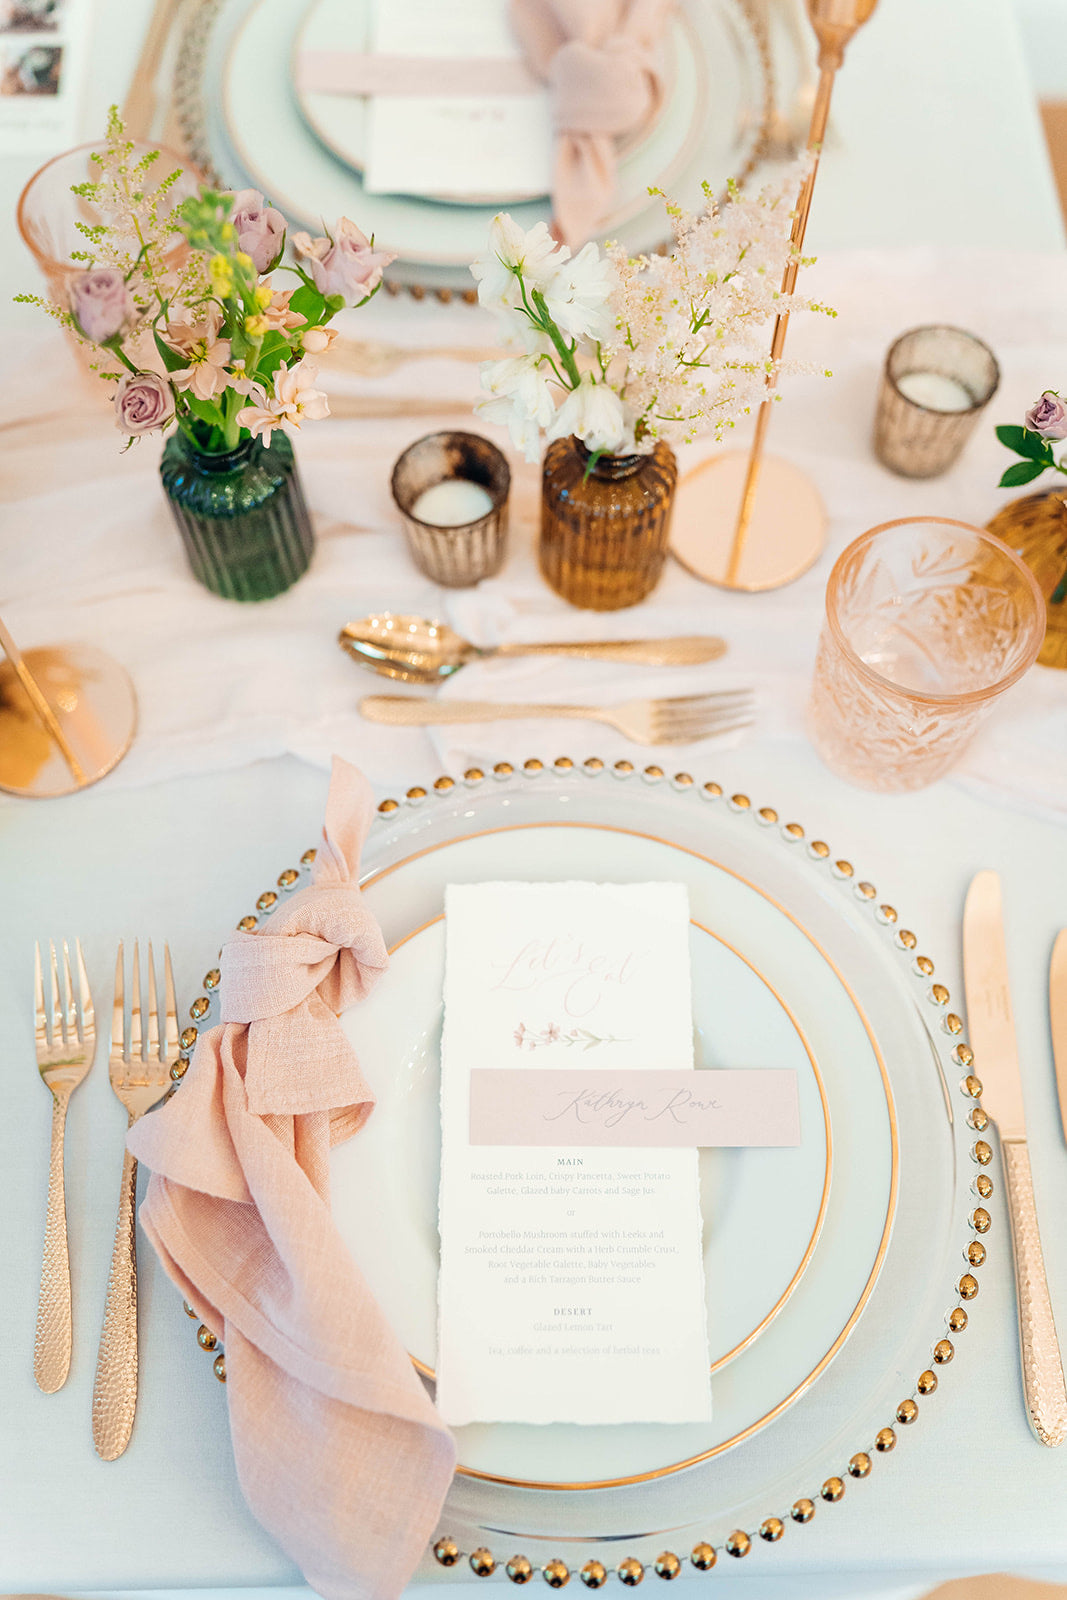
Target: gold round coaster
x,y
786,533
94,703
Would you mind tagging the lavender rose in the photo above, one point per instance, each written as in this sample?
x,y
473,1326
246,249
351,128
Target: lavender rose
x,y
260,229
143,402
102,303
1047,416
347,264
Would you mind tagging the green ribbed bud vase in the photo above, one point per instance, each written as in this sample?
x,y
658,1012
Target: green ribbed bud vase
x,y
242,515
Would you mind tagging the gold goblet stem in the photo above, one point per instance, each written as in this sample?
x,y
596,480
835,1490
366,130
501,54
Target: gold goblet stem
x,y
40,704
816,133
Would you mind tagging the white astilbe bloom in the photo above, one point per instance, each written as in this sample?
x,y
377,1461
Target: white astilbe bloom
x,y
693,326
595,414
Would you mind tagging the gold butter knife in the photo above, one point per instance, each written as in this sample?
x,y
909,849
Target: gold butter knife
x,y
992,1026
1057,1005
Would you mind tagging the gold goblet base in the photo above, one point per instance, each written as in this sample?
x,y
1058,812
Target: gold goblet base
x,y
96,708
1035,527
786,532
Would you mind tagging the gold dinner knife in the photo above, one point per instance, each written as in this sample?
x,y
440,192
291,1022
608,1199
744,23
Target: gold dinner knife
x,y
985,972
1057,1005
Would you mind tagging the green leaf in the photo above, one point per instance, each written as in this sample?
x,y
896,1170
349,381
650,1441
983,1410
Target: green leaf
x,y
307,302
274,350
1022,472
170,358
205,410
1024,442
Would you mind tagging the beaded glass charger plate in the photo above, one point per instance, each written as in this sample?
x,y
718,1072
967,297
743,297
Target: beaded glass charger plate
x,y
834,1270
236,57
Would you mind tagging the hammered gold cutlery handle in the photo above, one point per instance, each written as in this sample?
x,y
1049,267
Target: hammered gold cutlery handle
x,y
51,1351
685,651
115,1388
406,711
1043,1382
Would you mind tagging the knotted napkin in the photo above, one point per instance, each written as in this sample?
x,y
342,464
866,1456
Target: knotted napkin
x,y
339,1451
600,59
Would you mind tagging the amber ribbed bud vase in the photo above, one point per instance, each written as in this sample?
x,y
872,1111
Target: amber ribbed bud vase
x,y
604,529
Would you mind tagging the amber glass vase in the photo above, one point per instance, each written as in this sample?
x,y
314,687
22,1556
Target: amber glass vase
x,y
604,528
1035,527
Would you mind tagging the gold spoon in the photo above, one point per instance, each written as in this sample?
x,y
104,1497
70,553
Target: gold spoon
x,y
416,650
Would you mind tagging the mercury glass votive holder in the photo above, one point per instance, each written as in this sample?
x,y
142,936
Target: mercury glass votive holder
x,y
928,622
935,383
456,554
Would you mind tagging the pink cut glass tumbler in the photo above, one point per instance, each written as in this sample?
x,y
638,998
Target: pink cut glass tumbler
x,y
928,622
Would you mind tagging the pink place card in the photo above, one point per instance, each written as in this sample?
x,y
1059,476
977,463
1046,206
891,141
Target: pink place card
x,y
637,1109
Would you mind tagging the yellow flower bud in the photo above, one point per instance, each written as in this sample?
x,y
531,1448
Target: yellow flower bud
x,y
221,269
228,230
244,260
255,327
263,296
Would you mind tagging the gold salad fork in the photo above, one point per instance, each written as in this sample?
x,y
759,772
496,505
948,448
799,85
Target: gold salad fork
x,y
681,719
139,1070
65,1044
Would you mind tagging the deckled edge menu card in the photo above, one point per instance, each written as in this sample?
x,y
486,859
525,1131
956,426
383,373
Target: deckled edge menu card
x,y
572,1283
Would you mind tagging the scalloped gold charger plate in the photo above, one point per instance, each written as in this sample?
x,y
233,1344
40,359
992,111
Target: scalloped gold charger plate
x,y
813,1387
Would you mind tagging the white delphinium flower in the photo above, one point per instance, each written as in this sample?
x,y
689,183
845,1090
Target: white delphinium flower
x,y
578,297
522,399
516,259
595,413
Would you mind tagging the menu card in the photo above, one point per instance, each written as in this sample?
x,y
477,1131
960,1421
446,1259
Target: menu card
x,y
572,1283
496,142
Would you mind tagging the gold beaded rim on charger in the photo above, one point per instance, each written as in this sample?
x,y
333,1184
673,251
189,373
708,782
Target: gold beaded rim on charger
x,y
739,1542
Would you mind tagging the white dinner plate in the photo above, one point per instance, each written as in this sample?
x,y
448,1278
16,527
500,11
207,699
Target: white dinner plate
x,y
237,59
763,996
795,962
340,122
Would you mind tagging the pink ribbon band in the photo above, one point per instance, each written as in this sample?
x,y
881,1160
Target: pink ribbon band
x,y
345,72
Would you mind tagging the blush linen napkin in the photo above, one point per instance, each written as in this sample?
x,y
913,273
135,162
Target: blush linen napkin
x,y
601,61
339,1450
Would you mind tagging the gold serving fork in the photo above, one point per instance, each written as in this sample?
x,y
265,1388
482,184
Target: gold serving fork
x,y
65,1046
682,719
140,1076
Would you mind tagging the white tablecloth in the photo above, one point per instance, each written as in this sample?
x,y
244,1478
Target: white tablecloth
x,y
221,684
935,143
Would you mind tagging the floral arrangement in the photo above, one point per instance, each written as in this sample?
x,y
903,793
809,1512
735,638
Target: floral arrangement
x,y
233,348
622,351
1044,424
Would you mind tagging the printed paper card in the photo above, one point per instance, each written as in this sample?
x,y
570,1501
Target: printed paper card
x,y
572,1283
42,64
492,144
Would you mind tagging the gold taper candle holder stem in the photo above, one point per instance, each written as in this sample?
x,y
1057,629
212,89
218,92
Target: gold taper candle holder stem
x,y
816,133
758,522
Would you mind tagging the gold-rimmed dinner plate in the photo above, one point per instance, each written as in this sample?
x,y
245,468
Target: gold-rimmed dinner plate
x,y
341,122
237,57
765,994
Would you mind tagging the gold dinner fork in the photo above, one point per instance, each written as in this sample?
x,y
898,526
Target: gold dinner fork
x,y
140,1075
681,719
65,1044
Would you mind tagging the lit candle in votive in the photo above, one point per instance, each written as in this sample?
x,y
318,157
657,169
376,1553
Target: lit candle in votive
x,y
451,503
935,391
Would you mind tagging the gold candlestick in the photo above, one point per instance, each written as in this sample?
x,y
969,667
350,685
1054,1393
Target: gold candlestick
x,y
67,716
758,522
